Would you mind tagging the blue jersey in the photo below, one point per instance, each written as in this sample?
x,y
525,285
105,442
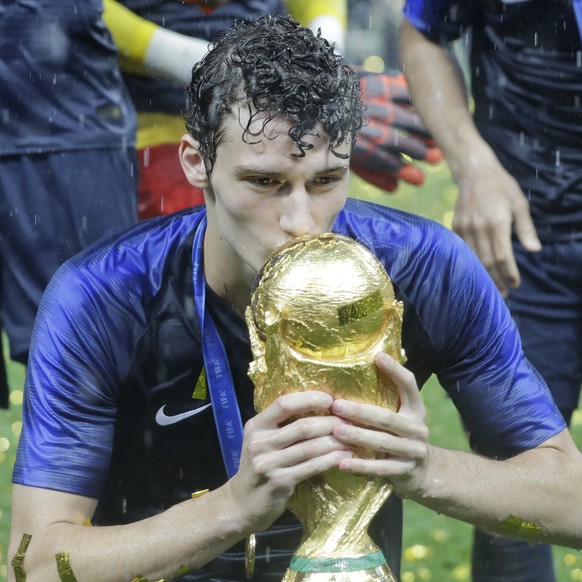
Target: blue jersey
x,y
527,85
61,87
114,408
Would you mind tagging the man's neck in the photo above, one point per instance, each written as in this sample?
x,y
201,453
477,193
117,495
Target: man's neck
x,y
225,277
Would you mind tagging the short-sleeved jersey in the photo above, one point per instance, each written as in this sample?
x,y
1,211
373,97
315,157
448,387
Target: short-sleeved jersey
x,y
61,87
526,81
114,408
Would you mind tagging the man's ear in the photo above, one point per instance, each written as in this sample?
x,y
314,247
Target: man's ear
x,y
192,162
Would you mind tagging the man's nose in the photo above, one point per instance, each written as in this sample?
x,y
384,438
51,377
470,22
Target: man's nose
x,y
296,218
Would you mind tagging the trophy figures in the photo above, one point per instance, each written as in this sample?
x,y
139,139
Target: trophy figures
x,y
322,307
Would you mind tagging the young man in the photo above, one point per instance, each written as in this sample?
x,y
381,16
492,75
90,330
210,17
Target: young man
x,y
134,333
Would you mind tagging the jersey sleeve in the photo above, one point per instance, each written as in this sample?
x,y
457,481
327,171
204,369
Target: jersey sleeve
x,y
437,19
131,33
505,404
90,320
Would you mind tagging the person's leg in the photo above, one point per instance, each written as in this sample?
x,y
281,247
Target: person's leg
x,y
547,309
51,207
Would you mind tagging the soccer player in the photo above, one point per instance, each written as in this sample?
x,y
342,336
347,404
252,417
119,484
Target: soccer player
x,y
67,157
134,334
517,163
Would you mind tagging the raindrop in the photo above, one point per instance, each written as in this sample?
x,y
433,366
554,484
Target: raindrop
x,y
579,58
124,506
491,112
268,554
5,115
536,39
557,158
146,157
521,138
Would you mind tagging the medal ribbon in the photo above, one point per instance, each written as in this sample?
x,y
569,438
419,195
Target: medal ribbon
x,y
218,375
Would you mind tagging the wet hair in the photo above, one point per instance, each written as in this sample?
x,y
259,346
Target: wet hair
x,y
275,68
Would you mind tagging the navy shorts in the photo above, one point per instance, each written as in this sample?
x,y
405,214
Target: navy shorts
x,y
547,309
51,207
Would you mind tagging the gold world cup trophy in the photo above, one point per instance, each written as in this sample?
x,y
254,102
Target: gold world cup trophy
x,y
322,308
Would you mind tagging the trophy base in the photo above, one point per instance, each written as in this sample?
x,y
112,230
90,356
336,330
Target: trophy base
x,y
379,574
356,568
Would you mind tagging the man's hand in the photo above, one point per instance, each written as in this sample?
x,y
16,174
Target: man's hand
x,y
489,202
280,450
392,132
400,437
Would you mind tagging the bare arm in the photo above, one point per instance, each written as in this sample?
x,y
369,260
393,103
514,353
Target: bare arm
x,y
195,531
534,495
490,200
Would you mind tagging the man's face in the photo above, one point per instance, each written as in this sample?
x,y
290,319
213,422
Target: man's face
x,y
261,196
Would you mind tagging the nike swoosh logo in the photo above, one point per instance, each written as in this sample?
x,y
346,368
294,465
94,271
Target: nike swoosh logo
x,y
164,420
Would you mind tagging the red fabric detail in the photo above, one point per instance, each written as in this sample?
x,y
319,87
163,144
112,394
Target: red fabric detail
x,y
163,188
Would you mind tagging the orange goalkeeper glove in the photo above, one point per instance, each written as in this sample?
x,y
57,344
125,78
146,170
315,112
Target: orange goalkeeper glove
x,y
391,133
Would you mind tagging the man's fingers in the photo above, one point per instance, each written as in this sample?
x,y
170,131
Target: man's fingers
x,y
525,229
293,405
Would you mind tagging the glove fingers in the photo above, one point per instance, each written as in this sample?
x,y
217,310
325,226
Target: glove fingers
x,y
381,179
396,116
377,140
411,174
369,155
383,86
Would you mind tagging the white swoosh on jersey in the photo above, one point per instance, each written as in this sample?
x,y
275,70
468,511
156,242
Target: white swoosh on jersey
x,y
164,420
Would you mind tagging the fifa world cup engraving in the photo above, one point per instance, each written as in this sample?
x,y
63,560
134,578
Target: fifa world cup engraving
x,y
322,308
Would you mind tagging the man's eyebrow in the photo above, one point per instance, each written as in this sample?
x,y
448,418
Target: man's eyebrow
x,y
251,169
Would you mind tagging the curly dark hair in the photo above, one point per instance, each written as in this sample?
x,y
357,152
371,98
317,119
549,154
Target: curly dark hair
x,y
276,66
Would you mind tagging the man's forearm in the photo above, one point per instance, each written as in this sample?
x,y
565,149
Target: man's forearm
x,y
513,497
439,96
189,534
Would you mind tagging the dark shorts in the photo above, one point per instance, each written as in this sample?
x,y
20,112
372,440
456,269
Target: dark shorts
x,y
51,207
547,308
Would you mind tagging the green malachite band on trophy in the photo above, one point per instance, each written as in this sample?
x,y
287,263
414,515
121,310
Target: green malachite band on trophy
x,y
368,562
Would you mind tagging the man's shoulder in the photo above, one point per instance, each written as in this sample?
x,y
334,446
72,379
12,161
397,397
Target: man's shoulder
x,y
131,264
423,258
385,229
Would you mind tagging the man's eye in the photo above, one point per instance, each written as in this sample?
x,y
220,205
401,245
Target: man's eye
x,y
262,181
326,180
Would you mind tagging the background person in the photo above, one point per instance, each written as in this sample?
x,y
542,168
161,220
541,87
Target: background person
x,y
67,159
517,162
